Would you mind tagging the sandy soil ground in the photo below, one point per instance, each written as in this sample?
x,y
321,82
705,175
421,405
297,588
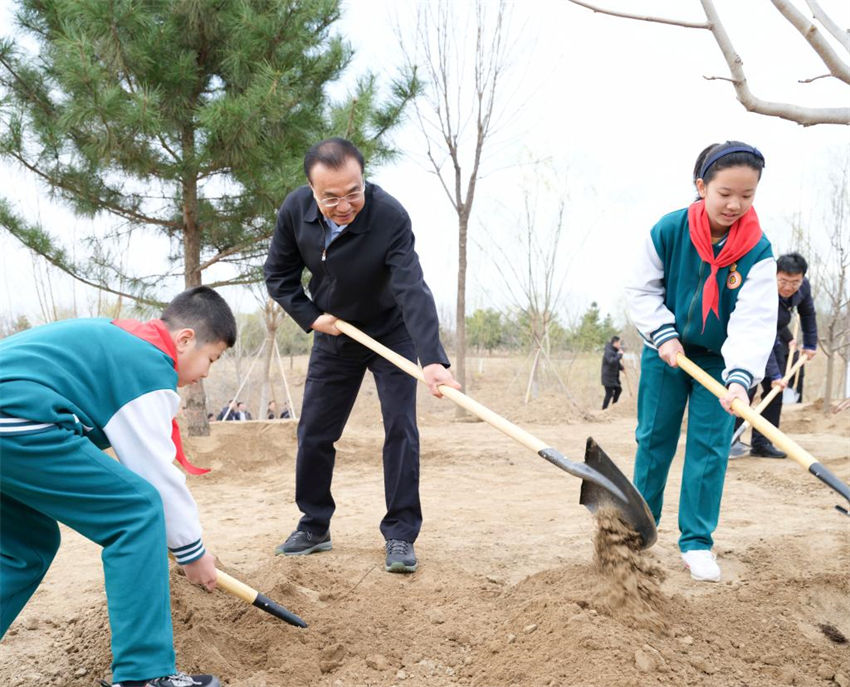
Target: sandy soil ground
x,y
508,592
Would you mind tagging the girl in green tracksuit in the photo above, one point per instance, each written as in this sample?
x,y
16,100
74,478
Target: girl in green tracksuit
x,y
704,285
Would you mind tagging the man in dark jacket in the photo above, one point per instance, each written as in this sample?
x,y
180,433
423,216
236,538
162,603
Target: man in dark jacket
x,y
357,242
794,292
611,365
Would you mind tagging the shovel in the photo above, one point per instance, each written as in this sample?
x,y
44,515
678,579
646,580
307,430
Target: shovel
x,y
603,485
791,447
250,595
789,394
765,402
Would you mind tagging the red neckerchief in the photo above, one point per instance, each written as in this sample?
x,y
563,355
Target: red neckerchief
x,y
156,333
743,235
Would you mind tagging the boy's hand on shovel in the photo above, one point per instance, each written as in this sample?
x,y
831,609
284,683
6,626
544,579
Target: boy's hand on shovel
x,y
435,375
735,391
202,572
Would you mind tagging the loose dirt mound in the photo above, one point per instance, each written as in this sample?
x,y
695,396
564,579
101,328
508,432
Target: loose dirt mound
x,y
445,627
511,590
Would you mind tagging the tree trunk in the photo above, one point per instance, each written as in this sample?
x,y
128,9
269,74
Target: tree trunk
x,y
830,351
460,319
265,389
195,396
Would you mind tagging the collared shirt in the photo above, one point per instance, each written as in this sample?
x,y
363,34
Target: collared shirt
x,y
333,231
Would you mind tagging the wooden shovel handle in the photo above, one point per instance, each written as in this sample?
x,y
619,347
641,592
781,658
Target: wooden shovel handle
x,y
791,447
461,399
759,409
235,588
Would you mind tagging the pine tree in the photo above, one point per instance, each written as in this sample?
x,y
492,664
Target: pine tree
x,y
185,118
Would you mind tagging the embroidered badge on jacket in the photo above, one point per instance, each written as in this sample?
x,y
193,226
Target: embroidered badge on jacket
x,y
733,281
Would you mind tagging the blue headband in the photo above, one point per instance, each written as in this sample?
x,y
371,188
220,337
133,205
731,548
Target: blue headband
x,y
728,151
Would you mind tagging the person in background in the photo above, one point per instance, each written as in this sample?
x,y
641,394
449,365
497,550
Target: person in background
x,y
271,411
70,389
704,286
794,292
228,412
612,363
242,411
358,244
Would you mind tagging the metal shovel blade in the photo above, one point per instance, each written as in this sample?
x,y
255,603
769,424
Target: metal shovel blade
x,y
631,507
789,395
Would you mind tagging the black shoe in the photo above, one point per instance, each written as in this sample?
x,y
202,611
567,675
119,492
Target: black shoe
x,y
400,556
767,451
300,543
177,680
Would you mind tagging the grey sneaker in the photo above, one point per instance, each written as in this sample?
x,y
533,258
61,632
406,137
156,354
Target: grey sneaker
x,y
400,556
738,450
176,680
301,542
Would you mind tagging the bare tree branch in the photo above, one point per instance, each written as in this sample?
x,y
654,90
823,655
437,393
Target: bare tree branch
x,y
838,68
806,116
815,78
642,17
842,36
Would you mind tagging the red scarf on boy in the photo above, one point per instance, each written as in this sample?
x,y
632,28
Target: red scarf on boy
x,y
743,235
156,333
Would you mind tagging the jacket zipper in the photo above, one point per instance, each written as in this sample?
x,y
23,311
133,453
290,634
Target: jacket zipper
x,y
694,299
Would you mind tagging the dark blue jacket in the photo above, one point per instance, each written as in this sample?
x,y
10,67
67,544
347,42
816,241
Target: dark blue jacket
x,y
805,304
611,365
369,275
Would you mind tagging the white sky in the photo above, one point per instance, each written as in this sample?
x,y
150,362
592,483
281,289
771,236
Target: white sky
x,y
619,108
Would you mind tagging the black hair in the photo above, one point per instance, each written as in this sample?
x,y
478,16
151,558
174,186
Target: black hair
x,y
615,339
713,159
204,311
792,263
332,152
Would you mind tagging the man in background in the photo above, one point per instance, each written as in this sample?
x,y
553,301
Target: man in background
x,y
612,363
795,292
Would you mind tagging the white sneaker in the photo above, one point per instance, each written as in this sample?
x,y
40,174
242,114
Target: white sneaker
x,y
702,564
738,450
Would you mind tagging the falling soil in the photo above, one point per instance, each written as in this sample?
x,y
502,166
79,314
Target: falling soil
x,y
631,589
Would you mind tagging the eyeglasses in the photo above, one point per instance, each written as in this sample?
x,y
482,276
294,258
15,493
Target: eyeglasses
x,y
350,198
789,282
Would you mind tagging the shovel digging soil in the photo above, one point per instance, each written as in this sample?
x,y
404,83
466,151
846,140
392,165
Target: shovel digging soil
x,y
791,447
603,484
250,595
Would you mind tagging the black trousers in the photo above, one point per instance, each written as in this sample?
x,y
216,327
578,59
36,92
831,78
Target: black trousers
x,y
612,394
336,370
772,413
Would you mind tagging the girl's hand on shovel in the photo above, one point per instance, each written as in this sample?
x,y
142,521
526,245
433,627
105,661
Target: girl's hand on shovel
x,y
202,571
435,375
735,391
669,350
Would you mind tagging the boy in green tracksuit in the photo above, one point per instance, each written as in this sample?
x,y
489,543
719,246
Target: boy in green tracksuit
x,y
70,389
704,286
